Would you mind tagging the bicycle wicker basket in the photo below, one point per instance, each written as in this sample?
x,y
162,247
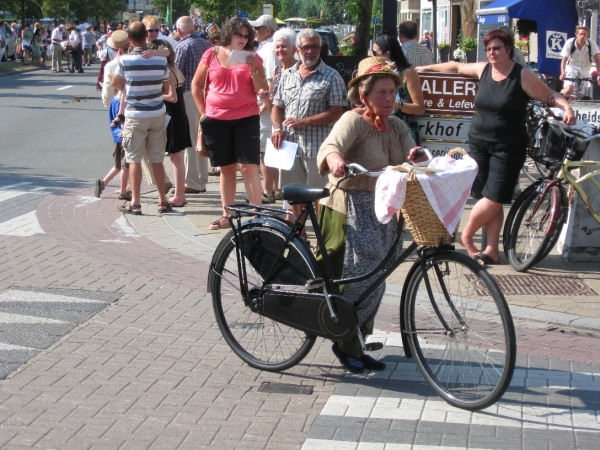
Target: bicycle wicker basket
x,y
554,145
420,217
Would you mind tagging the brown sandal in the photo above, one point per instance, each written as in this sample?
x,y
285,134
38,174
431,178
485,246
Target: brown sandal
x,y
216,225
164,208
136,210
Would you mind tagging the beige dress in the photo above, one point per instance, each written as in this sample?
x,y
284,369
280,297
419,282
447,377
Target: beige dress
x,y
358,142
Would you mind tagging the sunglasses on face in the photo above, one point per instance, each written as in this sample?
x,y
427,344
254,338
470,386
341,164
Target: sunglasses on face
x,y
259,28
494,48
309,48
152,30
241,36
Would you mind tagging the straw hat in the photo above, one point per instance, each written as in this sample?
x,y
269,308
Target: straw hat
x,y
118,39
375,65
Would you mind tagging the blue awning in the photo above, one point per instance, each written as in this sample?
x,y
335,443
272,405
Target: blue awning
x,y
556,21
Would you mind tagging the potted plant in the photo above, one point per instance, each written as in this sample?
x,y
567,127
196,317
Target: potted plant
x,y
444,49
469,46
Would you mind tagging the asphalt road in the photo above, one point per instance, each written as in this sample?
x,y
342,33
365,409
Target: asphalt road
x,y
53,125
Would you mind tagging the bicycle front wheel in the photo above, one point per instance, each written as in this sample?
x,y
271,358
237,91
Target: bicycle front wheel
x,y
460,331
261,342
512,214
536,229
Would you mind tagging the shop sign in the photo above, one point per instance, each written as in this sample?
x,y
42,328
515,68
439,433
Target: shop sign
x,y
443,129
448,93
588,111
441,148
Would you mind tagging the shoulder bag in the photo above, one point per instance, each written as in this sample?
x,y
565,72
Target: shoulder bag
x,y
201,142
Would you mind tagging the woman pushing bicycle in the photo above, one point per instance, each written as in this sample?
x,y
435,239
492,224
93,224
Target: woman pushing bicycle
x,y
498,134
354,239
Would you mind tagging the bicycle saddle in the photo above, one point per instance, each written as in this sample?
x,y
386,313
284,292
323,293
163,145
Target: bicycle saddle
x,y
301,193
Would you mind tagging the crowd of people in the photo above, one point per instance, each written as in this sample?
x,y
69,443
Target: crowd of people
x,y
199,101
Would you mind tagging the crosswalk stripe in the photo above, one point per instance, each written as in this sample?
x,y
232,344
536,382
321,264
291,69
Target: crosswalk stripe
x,y
38,297
323,444
6,318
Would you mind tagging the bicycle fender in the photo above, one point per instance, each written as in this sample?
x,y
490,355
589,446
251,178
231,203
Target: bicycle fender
x,y
409,275
563,204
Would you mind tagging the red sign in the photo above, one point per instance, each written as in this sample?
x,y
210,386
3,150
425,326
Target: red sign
x,y
449,93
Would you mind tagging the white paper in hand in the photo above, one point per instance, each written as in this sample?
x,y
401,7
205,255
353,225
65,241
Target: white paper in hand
x,y
283,158
239,56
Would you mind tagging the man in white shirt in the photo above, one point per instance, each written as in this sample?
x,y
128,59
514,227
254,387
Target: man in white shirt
x,y
57,38
264,27
577,54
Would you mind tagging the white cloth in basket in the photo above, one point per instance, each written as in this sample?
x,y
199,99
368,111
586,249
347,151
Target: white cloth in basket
x,y
447,191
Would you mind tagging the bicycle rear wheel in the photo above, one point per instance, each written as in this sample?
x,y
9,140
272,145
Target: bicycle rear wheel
x,y
536,229
261,342
461,334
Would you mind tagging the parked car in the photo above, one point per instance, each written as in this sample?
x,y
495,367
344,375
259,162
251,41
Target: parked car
x,y
11,43
330,38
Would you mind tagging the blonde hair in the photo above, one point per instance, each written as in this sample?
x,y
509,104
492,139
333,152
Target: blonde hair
x,y
150,20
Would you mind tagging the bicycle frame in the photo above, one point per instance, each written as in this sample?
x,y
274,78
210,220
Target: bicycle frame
x,y
328,283
565,174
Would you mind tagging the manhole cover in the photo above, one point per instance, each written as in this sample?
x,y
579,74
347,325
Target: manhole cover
x,y
282,388
536,285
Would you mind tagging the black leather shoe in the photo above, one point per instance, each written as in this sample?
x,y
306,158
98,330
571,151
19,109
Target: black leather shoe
x,y
350,364
371,363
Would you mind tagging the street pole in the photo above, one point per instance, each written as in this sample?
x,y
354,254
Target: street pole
x,y
435,31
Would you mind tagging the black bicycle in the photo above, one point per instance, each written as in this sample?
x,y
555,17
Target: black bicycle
x,y
271,302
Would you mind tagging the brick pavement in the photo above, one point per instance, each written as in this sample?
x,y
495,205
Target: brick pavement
x,y
151,370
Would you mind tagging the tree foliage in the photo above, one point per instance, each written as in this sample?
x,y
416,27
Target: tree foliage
x,y
180,8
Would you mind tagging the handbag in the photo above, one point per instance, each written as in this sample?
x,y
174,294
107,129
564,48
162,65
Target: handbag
x,y
201,142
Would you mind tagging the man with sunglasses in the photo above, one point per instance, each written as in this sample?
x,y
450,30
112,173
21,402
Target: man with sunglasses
x,y
310,98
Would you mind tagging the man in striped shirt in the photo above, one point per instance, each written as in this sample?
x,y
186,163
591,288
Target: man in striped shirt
x,y
145,81
416,54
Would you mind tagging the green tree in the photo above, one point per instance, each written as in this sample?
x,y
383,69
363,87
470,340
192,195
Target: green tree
x,y
310,9
219,10
334,10
180,8
55,8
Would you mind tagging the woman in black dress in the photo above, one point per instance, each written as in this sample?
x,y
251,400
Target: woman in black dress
x,y
178,132
498,134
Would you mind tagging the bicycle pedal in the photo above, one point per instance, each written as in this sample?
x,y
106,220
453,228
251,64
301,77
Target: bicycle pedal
x,y
373,346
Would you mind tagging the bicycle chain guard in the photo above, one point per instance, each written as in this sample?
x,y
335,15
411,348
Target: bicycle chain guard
x,y
309,312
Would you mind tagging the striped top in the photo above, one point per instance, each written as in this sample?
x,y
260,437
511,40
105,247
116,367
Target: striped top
x,y
417,54
143,83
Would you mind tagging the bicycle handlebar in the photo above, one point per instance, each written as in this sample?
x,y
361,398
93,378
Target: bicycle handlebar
x,y
578,79
353,169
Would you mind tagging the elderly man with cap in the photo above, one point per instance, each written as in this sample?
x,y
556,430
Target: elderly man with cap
x,y
264,27
57,38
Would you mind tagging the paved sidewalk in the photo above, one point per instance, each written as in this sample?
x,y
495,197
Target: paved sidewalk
x,y
150,369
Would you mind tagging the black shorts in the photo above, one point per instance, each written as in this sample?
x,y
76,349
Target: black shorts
x,y
499,167
232,141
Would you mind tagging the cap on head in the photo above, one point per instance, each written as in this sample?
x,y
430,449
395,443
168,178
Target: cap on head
x,y
264,21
